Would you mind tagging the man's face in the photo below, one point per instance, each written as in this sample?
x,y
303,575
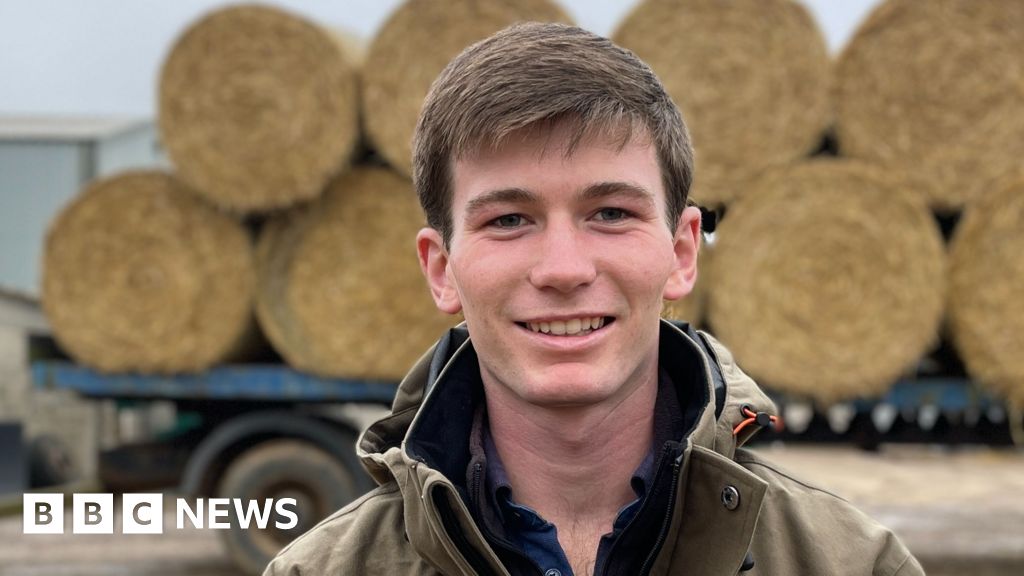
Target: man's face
x,y
560,263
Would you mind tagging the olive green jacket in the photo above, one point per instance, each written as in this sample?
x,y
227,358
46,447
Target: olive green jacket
x,y
730,504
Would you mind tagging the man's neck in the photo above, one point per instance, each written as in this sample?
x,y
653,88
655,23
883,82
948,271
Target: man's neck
x,y
573,465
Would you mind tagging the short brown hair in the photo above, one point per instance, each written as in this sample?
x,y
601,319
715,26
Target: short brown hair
x,y
542,75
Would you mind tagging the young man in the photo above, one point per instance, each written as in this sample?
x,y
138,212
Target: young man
x,y
566,429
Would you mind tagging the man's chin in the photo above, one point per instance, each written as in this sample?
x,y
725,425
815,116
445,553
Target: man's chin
x,y
566,394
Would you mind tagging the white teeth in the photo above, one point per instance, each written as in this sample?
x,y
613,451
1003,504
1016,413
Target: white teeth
x,y
568,327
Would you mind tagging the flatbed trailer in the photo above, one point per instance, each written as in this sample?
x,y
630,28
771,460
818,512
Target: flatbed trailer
x,y
256,431
946,410
249,431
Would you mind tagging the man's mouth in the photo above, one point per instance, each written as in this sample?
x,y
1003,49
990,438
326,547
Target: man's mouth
x,y
570,327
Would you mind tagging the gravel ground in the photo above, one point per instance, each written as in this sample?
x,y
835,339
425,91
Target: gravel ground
x,y
961,512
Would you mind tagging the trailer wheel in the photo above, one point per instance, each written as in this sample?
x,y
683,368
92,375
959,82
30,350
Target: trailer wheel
x,y
277,469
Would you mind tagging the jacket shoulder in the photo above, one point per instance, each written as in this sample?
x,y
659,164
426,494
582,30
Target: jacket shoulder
x,y
804,529
365,537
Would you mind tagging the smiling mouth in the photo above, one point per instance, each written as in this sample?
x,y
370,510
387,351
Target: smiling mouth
x,y
571,327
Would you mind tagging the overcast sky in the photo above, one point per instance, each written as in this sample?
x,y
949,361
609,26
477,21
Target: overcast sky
x,y
100,57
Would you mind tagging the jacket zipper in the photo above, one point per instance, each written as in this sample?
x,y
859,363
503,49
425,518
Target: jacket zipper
x,y
666,522
451,526
477,473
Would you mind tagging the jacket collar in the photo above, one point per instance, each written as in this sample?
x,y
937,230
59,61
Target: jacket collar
x,y
423,445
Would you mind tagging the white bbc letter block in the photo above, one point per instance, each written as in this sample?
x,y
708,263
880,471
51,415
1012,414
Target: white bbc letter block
x,y
42,513
142,514
93,514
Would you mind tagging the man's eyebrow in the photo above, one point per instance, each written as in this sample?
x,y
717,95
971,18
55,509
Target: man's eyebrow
x,y
502,195
605,189
590,193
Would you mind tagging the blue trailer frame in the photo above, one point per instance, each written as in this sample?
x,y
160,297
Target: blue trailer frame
x,y
957,396
268,382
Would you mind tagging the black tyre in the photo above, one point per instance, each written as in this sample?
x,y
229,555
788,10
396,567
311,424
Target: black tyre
x,y
277,469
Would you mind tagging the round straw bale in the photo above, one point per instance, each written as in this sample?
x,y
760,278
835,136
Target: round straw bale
x,y
751,78
936,87
411,49
340,288
827,281
140,275
691,307
258,108
986,312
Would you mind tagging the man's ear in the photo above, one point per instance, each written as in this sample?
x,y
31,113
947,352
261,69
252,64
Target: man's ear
x,y
686,244
434,263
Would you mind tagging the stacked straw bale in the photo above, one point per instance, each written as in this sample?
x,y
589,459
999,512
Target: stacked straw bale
x,y
986,310
140,275
751,78
936,87
258,108
827,281
411,49
340,288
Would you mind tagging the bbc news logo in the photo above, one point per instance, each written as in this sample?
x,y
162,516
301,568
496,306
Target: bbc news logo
x,y
144,513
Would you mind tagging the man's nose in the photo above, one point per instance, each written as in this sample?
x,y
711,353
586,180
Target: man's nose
x,y
564,261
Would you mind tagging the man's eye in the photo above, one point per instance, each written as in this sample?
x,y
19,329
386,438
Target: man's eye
x,y
508,221
611,214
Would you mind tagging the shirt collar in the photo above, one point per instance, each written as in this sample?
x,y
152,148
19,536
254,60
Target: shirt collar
x,y
668,426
